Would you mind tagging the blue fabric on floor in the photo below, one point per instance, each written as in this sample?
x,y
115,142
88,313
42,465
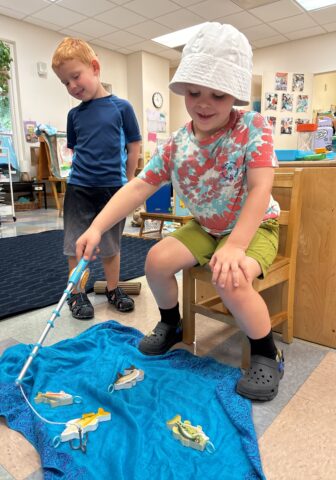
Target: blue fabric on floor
x,y
135,444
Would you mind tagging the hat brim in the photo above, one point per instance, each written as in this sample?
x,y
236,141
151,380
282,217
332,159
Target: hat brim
x,y
223,76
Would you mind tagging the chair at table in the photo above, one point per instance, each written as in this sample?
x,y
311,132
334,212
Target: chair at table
x,y
278,286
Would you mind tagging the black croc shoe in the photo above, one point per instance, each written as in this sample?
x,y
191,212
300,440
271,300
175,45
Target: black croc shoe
x,y
80,306
161,339
120,299
262,378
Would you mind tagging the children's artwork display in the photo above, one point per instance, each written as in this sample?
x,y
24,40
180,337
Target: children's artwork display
x,y
281,81
298,82
271,101
286,102
302,103
286,126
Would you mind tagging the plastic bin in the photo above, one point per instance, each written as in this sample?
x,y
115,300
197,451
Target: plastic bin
x,y
286,155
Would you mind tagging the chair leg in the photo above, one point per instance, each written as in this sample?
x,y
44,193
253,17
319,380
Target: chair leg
x,y
287,326
246,352
188,316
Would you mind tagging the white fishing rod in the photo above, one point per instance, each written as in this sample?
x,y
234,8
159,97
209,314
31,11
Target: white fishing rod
x,y
78,277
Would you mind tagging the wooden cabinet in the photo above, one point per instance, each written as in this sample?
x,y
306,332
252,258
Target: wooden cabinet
x,y
315,290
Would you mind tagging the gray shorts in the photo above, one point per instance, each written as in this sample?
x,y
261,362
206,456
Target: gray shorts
x,y
81,206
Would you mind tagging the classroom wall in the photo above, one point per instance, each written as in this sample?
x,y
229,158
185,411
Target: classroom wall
x,y
46,99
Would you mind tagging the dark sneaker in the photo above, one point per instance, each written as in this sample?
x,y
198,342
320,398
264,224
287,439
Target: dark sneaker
x,y
261,380
120,299
161,339
80,306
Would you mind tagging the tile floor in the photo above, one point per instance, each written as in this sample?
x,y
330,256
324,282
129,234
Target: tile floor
x,y
296,431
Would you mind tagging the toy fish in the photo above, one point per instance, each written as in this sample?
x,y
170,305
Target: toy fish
x,y
131,376
79,428
189,435
57,399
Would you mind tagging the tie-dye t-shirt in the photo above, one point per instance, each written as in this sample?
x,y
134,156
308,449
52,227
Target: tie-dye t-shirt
x,y
209,176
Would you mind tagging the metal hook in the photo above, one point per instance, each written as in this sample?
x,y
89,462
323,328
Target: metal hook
x,y
82,441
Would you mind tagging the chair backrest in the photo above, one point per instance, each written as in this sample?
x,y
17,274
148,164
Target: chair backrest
x,y
287,190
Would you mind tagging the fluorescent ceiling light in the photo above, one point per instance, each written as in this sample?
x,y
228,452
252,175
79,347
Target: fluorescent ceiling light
x,y
178,38
315,4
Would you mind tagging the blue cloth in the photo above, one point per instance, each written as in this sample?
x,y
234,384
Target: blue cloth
x,y
98,132
136,443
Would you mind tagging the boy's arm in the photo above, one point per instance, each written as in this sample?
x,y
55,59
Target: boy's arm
x,y
133,154
123,202
231,257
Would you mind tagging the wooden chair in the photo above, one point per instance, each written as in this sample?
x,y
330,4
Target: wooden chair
x,y
160,218
278,286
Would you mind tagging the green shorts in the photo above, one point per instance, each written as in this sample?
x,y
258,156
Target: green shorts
x,y
263,247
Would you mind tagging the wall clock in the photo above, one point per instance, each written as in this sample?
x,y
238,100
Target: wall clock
x,y
157,99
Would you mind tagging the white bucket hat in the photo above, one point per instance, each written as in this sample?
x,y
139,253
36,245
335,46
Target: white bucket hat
x,y
218,57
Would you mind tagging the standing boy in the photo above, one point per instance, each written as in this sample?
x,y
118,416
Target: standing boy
x,y
104,135
221,165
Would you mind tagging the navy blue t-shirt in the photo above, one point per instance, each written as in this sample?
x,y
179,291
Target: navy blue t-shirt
x,y
98,132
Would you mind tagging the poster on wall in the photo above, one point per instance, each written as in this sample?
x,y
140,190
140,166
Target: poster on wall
x,y
287,102
298,82
281,81
301,120
29,131
302,103
271,101
286,126
272,122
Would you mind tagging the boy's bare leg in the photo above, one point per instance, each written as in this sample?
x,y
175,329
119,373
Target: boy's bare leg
x,y
112,271
79,303
166,258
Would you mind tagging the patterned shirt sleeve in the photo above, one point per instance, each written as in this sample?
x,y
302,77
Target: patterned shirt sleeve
x,y
260,151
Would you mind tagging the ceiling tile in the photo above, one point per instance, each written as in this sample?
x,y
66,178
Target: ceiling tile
x,y
212,9
309,32
186,3
58,16
325,15
259,31
42,23
152,8
124,51
299,22
122,38
149,29
241,20
183,19
247,4
93,27
87,7
267,42
120,17
11,13
68,32
149,46
330,27
25,7
276,11
104,43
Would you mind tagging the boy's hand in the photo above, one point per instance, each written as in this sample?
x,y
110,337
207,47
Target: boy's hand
x,y
87,244
226,260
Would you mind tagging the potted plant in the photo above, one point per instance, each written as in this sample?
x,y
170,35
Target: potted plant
x,y
5,63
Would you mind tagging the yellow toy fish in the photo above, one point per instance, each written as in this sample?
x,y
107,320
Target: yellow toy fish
x,y
131,376
79,428
57,399
189,435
